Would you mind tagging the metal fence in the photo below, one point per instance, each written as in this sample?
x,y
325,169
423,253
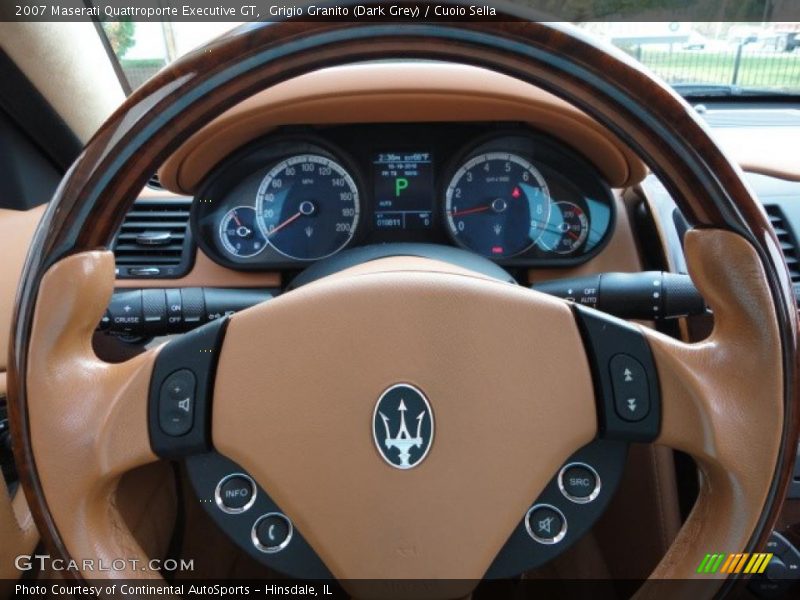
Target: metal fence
x,y
740,65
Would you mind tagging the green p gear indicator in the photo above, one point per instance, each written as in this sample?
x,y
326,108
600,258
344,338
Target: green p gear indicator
x,y
403,190
400,184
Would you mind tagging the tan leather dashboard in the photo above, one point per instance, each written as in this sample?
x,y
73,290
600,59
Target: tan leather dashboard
x,y
387,92
399,92
773,154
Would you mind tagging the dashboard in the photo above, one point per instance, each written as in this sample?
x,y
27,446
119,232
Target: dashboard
x,y
502,190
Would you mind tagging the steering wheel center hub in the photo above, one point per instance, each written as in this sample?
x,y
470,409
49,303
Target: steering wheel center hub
x,y
511,393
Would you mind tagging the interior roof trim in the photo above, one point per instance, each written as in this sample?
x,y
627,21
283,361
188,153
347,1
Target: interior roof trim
x,y
86,90
399,92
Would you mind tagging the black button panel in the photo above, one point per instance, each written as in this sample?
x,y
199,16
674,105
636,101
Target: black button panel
x,y
176,403
235,493
568,507
631,388
625,377
180,392
780,578
259,527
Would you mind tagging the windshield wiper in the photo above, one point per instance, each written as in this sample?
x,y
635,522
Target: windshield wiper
x,y
723,90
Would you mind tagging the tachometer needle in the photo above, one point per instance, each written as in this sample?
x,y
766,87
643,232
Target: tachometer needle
x,y
291,219
470,211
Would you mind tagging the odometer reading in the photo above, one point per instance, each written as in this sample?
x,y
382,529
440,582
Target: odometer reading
x,y
307,207
497,204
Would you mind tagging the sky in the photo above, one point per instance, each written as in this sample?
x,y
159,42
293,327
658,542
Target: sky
x,y
150,38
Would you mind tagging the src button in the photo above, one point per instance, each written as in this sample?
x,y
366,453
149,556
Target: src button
x,y
579,483
235,493
631,388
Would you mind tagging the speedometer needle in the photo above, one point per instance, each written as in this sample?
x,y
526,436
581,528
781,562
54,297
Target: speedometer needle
x,y
470,211
291,219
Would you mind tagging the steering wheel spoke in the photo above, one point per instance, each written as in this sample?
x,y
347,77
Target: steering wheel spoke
x,y
722,399
88,418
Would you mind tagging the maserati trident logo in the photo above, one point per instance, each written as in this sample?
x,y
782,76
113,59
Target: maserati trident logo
x,y
402,426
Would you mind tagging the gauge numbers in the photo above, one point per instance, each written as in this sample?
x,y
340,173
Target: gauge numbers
x,y
497,204
307,207
567,230
239,233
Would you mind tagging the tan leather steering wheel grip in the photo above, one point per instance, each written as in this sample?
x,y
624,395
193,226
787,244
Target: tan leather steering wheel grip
x,y
79,423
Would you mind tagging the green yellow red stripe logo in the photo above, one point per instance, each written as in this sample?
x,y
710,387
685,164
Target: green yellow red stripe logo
x,y
743,562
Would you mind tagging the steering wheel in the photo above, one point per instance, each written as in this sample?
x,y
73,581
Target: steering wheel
x,y
514,380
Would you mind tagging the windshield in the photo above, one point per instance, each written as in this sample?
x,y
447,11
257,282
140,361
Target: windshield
x,y
698,59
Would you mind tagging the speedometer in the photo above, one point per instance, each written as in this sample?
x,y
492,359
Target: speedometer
x,y
497,204
307,207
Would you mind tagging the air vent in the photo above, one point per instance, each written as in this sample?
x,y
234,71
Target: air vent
x,y
154,240
154,183
786,238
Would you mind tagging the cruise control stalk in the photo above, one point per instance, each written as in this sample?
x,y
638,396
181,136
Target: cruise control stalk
x,y
646,295
152,312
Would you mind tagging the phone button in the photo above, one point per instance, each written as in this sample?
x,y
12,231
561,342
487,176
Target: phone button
x,y
272,532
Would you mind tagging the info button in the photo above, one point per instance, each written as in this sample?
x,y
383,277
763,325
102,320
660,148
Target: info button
x,y
235,493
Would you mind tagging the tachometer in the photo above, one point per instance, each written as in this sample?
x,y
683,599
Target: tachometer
x,y
497,204
307,207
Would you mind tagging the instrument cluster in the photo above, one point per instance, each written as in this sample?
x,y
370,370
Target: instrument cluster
x,y
505,192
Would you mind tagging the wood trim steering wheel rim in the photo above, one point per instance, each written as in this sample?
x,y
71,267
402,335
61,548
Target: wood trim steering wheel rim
x,y
648,116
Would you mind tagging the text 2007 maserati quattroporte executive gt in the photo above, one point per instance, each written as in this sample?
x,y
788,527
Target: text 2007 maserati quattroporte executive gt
x,y
408,309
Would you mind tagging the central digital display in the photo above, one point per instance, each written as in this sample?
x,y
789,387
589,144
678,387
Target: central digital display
x,y
403,190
